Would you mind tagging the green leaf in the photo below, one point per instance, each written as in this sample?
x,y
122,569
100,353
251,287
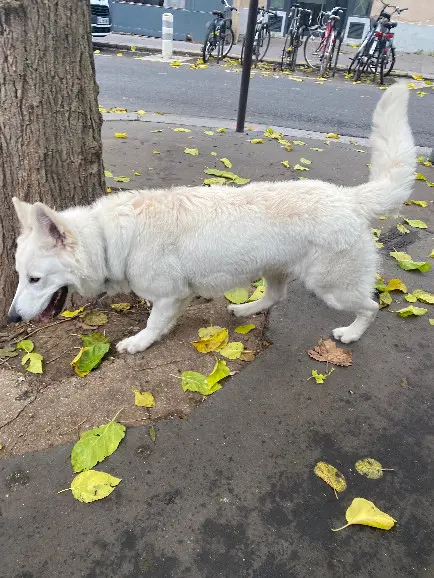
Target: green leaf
x,y
89,358
220,130
213,153
26,344
215,181
321,377
385,299
376,232
180,129
420,177
95,445
208,132
90,339
157,130
152,433
305,161
241,181
402,228
238,295
257,293
219,173
405,262
226,162
411,310
243,329
155,152
416,223
92,485
35,362
420,203
286,164
108,174
431,321
7,352
256,140
194,381
143,398
410,298
299,142
232,350
95,317
122,179
300,168
121,306
193,152
219,372
424,296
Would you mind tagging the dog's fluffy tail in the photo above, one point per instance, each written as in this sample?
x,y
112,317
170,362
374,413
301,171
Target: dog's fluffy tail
x,y
393,156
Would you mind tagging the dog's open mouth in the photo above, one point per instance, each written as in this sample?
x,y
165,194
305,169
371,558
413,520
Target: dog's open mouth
x,y
55,306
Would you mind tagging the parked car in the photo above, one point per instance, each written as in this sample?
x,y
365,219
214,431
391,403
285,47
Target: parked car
x,y
101,18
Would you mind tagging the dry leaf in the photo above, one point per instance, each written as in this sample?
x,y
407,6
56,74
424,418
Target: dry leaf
x,y
327,351
232,350
121,135
243,329
143,398
211,339
226,162
331,476
370,468
94,318
121,306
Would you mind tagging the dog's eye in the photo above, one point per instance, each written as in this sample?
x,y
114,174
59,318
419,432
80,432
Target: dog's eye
x,y
34,279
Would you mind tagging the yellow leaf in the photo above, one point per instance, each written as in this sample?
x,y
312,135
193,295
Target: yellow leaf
x,y
232,350
108,174
431,321
376,232
220,130
411,310
396,285
420,203
35,362
97,51
226,162
410,298
421,93
193,152
402,228
420,177
214,154
333,135
366,513
211,339
370,468
320,377
122,179
176,64
411,86
136,174
132,48
208,132
243,329
27,345
379,245
108,190
299,143
416,223
157,130
121,134
385,299
238,295
405,262
417,76
331,476
286,164
432,254
360,151
95,317
92,485
71,314
285,143
316,149
143,398
121,306
181,129
256,140
219,372
215,181
424,296
305,161
119,54
156,152
257,293
300,168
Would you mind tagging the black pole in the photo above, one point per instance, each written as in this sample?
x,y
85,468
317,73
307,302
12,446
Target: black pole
x,y
247,64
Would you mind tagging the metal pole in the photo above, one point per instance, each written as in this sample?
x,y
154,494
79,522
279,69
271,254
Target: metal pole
x,y
247,64
167,36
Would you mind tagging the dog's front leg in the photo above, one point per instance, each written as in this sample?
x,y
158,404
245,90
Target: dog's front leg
x,y
164,314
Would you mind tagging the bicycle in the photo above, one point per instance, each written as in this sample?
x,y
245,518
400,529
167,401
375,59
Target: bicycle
x,y
377,49
262,37
219,36
300,19
323,44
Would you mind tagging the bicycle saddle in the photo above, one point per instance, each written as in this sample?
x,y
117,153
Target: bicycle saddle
x,y
390,25
218,13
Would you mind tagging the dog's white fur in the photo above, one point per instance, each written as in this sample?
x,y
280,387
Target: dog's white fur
x,y
170,245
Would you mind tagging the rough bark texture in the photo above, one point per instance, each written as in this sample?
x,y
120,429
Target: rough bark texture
x,y
50,126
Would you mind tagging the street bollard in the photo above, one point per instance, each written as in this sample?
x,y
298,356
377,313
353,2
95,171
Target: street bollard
x,y
167,36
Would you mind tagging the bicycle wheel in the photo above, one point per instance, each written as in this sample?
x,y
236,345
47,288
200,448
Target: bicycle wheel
x,y
390,61
361,67
325,60
287,49
228,42
294,52
312,49
263,44
209,44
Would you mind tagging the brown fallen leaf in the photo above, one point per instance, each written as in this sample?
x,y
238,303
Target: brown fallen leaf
x,y
327,351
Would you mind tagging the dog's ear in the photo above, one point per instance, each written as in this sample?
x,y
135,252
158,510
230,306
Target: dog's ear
x,y
24,213
52,225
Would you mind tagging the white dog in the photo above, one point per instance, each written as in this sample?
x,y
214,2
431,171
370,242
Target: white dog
x,y
170,245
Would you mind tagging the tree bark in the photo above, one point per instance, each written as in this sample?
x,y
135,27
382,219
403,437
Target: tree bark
x,y
50,125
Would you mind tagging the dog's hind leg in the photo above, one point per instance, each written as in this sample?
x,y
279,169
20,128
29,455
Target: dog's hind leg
x,y
274,292
164,314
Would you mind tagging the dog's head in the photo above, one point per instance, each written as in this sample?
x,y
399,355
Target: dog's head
x,y
44,258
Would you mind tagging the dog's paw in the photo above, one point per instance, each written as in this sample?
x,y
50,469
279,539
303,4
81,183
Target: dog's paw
x,y
238,310
345,334
132,345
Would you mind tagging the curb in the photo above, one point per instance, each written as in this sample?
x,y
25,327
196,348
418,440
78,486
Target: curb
x,y
195,53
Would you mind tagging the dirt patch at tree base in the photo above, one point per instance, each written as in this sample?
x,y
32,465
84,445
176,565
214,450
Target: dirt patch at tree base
x,y
41,411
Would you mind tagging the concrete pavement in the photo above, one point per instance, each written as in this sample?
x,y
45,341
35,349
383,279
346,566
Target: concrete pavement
x,y
406,64
230,491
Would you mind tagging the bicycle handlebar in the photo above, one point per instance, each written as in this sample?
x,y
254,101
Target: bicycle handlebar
x,y
227,5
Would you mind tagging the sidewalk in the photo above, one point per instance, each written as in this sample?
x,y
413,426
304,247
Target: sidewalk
x,y
407,64
229,491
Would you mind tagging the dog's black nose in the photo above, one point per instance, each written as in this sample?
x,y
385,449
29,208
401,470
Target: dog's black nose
x,y
14,317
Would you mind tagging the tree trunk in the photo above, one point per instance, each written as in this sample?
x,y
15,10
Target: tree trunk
x,y
50,125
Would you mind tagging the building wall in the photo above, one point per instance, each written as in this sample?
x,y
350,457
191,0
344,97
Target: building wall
x,y
419,11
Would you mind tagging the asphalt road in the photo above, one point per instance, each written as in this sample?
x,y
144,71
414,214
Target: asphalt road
x,y
335,106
